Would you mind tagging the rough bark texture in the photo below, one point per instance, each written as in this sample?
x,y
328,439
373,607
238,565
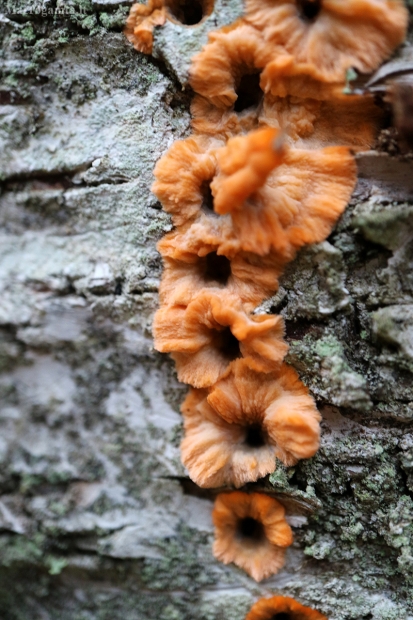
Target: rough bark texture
x,y
97,518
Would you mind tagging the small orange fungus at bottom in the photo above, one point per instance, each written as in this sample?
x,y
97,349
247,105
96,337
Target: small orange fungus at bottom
x,y
251,531
282,608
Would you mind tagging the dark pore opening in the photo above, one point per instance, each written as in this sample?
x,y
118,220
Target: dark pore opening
x,y
189,12
228,345
251,529
282,616
248,91
207,197
217,268
255,437
309,9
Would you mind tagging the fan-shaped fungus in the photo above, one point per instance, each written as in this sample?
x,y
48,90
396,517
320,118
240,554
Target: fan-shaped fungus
x,y
299,202
234,433
282,608
220,71
183,176
244,201
186,272
345,120
331,35
251,531
214,330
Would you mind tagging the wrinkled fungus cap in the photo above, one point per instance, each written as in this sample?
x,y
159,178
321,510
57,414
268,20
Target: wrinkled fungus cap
x,y
183,176
251,531
331,35
214,330
297,203
340,119
186,273
282,607
231,54
234,433
346,120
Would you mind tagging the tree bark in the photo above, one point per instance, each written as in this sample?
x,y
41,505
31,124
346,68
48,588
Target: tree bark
x,y
98,519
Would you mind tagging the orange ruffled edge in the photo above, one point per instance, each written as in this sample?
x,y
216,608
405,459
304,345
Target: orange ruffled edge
x,y
234,432
336,36
251,531
207,336
281,198
188,270
268,608
140,24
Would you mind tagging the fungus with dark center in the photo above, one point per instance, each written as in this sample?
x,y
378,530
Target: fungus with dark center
x,y
141,21
298,202
282,608
206,337
189,270
309,9
183,176
235,431
207,203
251,531
143,18
331,36
229,62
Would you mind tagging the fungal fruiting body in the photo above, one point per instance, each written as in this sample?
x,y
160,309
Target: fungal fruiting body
x,y
232,53
214,330
141,21
189,271
268,169
234,431
331,35
251,531
183,176
281,198
282,607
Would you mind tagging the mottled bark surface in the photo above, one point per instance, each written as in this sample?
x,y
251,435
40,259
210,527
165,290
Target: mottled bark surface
x,y
97,518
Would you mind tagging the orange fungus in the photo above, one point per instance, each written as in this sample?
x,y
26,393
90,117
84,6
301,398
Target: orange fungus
x,y
295,204
331,35
234,433
186,273
282,607
251,531
214,330
141,21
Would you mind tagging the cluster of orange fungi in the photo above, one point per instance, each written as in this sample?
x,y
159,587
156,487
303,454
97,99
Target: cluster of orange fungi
x,y
269,169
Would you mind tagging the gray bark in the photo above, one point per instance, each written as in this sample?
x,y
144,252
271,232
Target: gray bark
x,y
97,517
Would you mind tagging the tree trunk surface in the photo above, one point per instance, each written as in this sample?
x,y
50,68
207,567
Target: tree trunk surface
x,y
98,520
